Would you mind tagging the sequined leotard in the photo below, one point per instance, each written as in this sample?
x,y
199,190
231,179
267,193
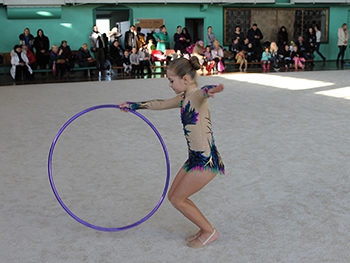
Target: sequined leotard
x,y
195,118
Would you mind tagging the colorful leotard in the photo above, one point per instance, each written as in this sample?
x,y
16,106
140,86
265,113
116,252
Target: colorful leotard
x,y
195,118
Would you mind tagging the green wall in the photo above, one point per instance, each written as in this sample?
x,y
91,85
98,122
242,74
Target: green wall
x,y
76,22
175,15
74,26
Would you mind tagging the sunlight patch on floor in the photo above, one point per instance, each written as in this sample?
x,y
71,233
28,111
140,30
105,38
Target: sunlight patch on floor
x,y
281,82
343,93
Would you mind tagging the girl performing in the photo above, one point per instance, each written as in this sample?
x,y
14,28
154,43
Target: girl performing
x,y
204,161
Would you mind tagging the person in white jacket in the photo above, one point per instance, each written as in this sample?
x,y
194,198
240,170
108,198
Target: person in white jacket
x,y
20,63
343,37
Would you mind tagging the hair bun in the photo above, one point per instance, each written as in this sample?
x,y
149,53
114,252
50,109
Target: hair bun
x,y
195,62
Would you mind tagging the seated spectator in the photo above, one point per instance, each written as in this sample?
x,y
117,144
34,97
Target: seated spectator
x,y
275,59
209,62
241,59
42,46
56,62
134,61
150,45
26,38
251,56
298,58
126,62
187,39
245,44
198,51
235,47
285,56
67,54
19,62
238,34
116,53
265,59
304,49
31,57
217,54
145,59
85,59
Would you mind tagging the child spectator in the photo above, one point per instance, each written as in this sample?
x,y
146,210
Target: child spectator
x,y
241,59
126,62
134,61
265,59
297,58
209,62
251,56
285,56
145,59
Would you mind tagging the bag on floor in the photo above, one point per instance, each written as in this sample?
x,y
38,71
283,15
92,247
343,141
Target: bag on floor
x,y
221,66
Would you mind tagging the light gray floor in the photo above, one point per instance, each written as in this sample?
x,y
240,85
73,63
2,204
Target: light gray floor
x,y
284,139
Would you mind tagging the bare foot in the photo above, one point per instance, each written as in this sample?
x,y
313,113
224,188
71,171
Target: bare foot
x,y
204,239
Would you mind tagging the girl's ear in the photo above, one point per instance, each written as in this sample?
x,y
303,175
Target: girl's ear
x,y
186,79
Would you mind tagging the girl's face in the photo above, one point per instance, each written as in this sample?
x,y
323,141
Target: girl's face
x,y
176,83
164,30
286,47
310,30
295,48
207,49
210,30
133,50
266,50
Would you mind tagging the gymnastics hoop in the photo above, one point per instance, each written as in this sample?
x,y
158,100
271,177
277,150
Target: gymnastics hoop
x,y
108,229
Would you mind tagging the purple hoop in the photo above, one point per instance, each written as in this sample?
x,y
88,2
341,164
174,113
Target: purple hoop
x,y
60,200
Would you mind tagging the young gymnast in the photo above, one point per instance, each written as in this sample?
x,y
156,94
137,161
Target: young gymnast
x,y
204,161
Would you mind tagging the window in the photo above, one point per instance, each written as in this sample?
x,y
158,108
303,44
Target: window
x,y
269,20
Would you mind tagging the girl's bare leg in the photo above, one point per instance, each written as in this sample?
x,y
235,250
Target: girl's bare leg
x,y
176,181
185,185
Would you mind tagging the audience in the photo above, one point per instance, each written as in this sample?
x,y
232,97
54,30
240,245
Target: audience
x,y
67,54
116,53
210,37
26,38
162,39
31,57
297,57
98,45
217,54
42,46
266,59
130,38
20,64
56,62
85,59
145,59
134,61
126,62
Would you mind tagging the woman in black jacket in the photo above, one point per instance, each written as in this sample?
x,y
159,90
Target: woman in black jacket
x,y
42,46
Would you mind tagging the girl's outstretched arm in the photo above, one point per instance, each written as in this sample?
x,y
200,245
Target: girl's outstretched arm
x,y
152,104
215,89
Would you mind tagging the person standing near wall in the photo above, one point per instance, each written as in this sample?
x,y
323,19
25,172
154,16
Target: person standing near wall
x,y
130,38
42,46
343,37
162,39
318,41
210,37
98,47
26,38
